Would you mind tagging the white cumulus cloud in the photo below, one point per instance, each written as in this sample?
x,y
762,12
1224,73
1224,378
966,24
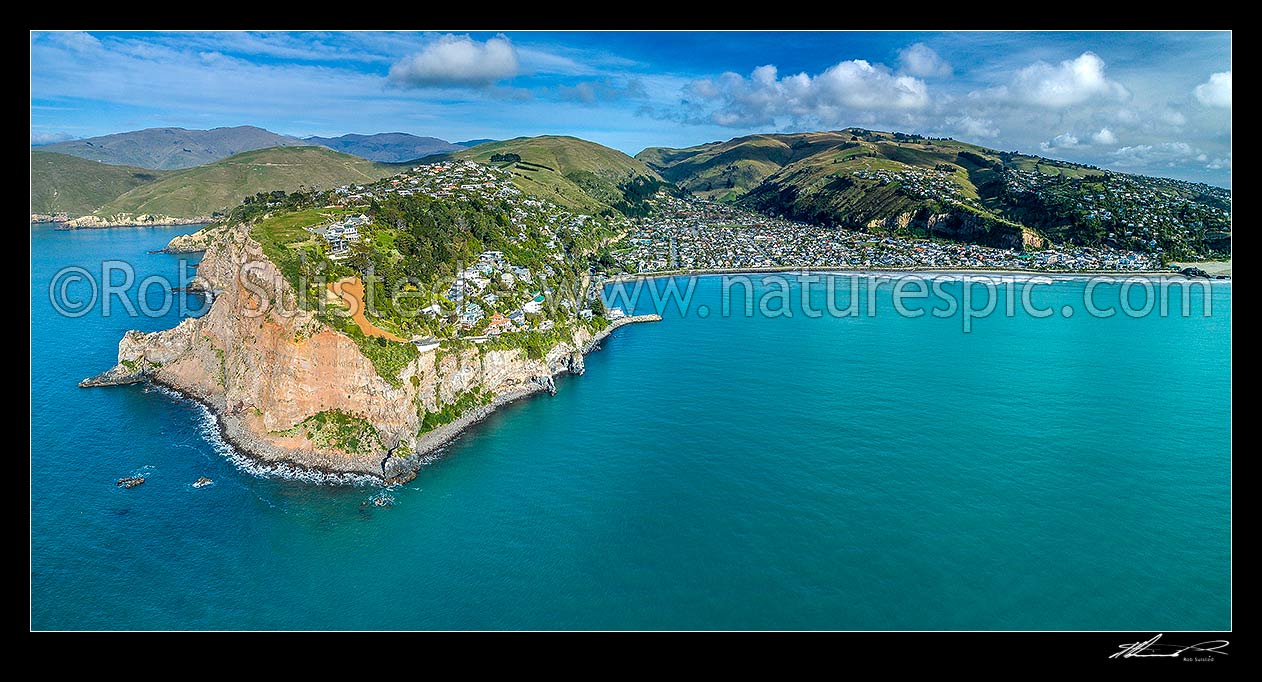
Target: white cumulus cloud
x,y
1062,141
1215,92
1104,136
827,98
922,61
1164,154
1059,86
970,127
457,60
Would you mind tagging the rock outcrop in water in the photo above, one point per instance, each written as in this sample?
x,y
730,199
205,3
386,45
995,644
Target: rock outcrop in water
x,y
264,366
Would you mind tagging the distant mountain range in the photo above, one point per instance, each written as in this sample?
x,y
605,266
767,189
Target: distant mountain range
x,y
177,148
387,147
172,148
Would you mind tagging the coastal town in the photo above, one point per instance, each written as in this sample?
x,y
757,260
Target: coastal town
x,y
695,234
1153,215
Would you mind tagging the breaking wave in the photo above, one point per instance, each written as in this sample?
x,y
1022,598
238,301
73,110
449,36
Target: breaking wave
x,y
208,426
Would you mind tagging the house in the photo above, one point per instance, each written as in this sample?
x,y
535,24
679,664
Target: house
x,y
433,311
471,314
615,314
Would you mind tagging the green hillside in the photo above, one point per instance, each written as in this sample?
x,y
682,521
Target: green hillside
x,y
216,186
726,170
910,184
581,175
75,186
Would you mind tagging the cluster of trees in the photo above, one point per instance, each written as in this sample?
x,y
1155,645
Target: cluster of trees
x,y
253,207
506,158
638,190
433,236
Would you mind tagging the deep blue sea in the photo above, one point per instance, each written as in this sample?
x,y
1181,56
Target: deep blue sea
x,y
869,472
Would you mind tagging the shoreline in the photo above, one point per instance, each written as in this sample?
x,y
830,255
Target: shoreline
x,y
234,433
66,226
430,441
912,270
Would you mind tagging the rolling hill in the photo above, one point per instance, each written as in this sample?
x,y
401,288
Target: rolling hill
x,y
203,190
171,148
386,147
584,176
76,187
901,183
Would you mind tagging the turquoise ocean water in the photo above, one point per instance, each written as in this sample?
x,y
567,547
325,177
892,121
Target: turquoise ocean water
x,y
712,473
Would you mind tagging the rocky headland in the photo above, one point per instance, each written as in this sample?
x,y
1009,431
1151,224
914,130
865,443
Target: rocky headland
x,y
268,370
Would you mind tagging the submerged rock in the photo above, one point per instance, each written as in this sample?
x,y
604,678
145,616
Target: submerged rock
x,y
130,481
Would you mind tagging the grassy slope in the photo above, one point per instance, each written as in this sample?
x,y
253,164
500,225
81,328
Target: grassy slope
x,y
69,184
727,170
581,175
811,174
216,186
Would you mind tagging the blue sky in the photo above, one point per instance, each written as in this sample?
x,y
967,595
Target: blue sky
x,y
1146,102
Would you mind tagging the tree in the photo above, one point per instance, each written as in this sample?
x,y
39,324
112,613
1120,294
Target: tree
x,y
360,256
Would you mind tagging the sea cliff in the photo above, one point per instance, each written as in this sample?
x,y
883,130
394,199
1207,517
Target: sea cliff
x,y
90,222
286,388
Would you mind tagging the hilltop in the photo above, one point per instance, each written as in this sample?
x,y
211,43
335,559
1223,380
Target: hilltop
x,y
172,148
386,147
76,187
581,175
218,186
899,183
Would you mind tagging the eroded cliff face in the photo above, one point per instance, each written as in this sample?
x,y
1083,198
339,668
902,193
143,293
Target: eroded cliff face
x,y
962,226
264,366
131,219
